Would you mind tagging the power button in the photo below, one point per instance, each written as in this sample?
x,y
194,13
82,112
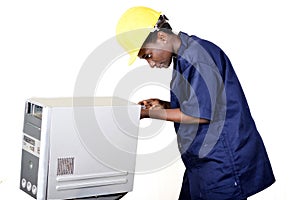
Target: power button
x,y
28,186
23,182
34,189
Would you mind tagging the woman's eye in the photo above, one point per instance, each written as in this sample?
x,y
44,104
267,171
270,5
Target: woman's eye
x,y
147,56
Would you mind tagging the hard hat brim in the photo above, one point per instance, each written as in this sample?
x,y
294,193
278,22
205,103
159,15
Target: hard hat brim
x,y
133,56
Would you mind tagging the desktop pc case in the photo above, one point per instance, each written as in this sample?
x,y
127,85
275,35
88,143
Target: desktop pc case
x,y
79,148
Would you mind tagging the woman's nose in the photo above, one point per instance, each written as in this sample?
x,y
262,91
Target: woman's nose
x,y
151,63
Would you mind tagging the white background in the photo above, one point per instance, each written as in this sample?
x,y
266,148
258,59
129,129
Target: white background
x,y
43,45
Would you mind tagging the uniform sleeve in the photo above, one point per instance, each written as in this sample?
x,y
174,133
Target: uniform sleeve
x,y
201,91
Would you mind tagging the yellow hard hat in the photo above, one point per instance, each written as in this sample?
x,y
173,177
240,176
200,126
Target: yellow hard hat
x,y
133,28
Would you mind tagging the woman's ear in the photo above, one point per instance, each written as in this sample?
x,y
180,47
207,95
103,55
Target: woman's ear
x,y
162,36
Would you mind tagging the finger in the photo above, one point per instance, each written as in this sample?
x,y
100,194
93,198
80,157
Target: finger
x,y
142,102
156,107
146,102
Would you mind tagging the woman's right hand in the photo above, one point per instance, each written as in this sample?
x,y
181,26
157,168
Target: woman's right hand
x,y
154,103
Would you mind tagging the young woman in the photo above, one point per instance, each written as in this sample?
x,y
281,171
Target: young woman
x,y
222,150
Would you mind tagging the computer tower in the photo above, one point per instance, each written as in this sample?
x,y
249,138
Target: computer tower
x,y
79,147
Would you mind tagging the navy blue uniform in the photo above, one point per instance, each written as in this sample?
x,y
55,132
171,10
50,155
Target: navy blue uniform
x,y
225,159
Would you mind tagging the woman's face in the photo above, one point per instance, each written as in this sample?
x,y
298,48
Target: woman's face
x,y
157,54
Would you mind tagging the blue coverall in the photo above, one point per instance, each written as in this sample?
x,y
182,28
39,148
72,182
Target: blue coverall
x,y
225,159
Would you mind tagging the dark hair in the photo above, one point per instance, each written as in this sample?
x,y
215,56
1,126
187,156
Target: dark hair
x,y
162,25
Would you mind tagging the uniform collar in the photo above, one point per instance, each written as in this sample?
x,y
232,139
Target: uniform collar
x,y
184,42
183,46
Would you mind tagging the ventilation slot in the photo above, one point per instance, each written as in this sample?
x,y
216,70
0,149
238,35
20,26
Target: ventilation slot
x,y
65,166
